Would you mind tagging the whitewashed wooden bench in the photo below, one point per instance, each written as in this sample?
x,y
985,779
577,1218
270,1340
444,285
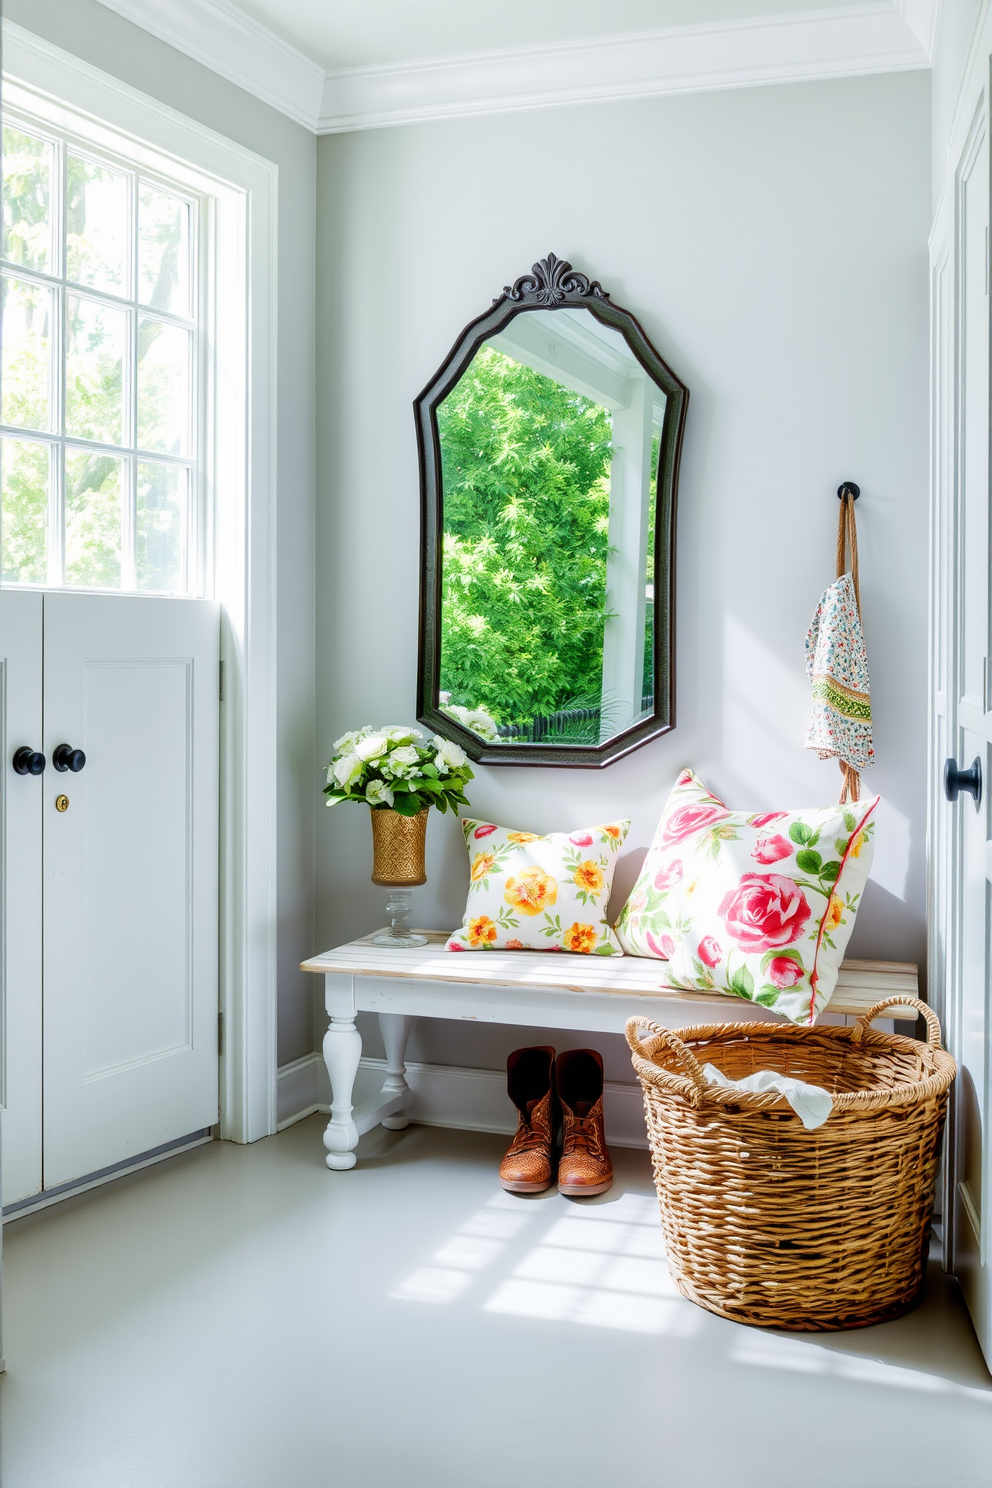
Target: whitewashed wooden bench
x,y
535,989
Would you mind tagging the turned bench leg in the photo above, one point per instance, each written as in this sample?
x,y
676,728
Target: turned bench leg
x,y
342,1049
342,1052
342,1055
395,1030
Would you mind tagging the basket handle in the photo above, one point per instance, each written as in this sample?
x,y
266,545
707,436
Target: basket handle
x,y
932,1021
685,1057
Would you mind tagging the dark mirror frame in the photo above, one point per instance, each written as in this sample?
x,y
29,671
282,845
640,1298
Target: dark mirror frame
x,y
552,284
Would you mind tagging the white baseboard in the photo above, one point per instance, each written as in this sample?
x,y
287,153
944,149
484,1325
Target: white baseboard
x,y
446,1095
45,1200
296,1090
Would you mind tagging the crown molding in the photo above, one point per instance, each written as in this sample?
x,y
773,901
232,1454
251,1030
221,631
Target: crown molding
x,y
230,43
921,16
859,39
875,37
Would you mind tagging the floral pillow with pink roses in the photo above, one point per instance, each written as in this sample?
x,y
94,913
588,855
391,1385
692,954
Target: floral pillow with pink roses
x,y
756,905
529,892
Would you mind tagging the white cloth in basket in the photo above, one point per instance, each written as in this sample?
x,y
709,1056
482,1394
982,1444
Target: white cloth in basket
x,y
811,1103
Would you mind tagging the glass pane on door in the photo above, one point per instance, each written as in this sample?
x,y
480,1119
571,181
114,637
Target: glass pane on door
x,y
97,213
162,501
25,489
28,327
163,387
28,177
96,337
94,519
163,251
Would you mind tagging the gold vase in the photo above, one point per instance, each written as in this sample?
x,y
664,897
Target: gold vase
x,y
398,864
398,848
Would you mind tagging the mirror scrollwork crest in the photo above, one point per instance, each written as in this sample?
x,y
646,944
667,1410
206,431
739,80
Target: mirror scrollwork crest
x,y
549,452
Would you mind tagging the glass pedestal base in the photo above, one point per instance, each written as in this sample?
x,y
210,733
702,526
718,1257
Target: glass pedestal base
x,y
399,934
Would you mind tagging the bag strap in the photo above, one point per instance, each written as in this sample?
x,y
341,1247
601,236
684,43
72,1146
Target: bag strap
x,y
847,537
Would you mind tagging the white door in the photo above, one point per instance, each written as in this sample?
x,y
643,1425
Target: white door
x,y
108,984
961,850
21,799
130,878
971,737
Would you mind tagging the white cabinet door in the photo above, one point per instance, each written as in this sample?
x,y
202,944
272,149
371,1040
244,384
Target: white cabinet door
x,y
130,878
21,798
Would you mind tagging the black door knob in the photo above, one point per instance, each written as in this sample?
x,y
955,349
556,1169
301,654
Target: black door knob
x,y
64,757
28,762
956,780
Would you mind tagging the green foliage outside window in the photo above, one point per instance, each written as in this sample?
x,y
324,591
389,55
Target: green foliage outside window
x,y
98,223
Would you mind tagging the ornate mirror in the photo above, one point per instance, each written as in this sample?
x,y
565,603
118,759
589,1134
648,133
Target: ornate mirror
x,y
549,452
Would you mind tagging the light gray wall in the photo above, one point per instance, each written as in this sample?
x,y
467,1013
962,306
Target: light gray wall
x,y
773,243
955,27
107,41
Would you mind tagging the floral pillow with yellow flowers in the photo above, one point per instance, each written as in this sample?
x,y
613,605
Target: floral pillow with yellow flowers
x,y
758,905
533,893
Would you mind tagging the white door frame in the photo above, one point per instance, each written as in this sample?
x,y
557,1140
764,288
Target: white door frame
x,y
244,192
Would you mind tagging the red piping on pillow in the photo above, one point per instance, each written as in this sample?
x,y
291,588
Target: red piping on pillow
x,y
819,939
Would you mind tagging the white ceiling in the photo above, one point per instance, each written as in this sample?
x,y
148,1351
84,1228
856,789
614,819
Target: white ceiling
x,y
373,33
339,65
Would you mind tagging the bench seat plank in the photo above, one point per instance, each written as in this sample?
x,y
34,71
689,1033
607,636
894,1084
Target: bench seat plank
x,y
859,985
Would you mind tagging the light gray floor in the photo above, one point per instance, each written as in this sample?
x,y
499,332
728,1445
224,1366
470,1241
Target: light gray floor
x,y
239,1317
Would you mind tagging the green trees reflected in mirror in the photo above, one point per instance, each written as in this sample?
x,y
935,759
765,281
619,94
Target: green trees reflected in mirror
x,y
526,467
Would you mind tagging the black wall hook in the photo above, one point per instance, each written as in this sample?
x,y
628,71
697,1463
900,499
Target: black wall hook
x,y
848,488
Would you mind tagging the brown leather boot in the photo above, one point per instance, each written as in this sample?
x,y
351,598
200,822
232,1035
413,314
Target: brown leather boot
x,y
527,1166
584,1167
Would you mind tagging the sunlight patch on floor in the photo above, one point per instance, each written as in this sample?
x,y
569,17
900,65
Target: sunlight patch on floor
x,y
799,1356
602,1265
475,1245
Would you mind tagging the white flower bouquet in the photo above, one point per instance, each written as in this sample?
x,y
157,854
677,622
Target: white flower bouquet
x,y
390,767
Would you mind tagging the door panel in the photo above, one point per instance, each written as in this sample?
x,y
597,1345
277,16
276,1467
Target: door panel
x,y
128,839
963,623
972,1094
130,878
973,526
21,798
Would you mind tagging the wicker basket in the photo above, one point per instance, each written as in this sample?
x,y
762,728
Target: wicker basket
x,y
767,1223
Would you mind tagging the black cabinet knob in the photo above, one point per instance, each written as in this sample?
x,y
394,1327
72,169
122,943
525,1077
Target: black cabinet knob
x,y
28,761
956,780
64,757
